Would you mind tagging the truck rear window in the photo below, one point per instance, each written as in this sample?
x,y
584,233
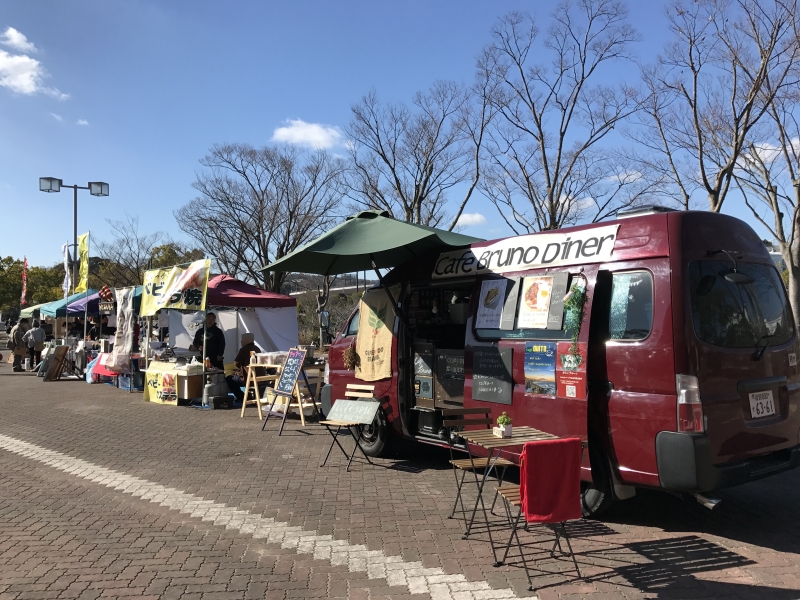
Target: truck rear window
x,y
734,315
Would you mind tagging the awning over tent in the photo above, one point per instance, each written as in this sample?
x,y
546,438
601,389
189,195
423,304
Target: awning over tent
x,y
59,307
370,239
31,311
224,290
79,306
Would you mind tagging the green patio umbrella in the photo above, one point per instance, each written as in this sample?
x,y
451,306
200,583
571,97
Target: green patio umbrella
x,y
368,240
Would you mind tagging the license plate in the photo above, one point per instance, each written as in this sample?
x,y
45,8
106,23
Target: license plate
x,y
761,404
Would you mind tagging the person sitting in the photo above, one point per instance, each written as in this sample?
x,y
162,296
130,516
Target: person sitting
x,y
238,379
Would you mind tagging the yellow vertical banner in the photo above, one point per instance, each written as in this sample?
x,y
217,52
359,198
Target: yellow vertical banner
x,y
83,256
183,288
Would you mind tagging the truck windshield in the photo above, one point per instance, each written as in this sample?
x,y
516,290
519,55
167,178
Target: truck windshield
x,y
739,315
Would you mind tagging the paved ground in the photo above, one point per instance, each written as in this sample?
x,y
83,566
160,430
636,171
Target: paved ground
x,y
103,495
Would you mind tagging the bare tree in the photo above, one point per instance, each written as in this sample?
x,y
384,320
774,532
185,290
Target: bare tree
x,y
768,174
258,204
548,167
715,81
406,160
122,260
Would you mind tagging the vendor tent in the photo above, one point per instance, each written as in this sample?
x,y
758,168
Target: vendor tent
x,y
59,307
240,308
90,304
31,312
224,290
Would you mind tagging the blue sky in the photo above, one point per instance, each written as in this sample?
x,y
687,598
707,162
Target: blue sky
x,y
134,93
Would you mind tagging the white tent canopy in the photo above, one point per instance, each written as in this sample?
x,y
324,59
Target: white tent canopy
x,y
274,328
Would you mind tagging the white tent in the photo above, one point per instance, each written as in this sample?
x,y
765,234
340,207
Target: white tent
x,y
274,328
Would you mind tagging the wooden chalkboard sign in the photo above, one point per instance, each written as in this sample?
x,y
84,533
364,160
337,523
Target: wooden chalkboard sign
x,y
491,374
290,372
353,411
449,377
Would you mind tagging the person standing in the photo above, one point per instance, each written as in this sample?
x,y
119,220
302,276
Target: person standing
x,y
215,341
20,347
34,338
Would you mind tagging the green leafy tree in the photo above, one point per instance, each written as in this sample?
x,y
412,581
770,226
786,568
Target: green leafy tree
x,y
44,285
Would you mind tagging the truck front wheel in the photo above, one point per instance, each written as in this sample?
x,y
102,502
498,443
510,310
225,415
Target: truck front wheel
x,y
374,438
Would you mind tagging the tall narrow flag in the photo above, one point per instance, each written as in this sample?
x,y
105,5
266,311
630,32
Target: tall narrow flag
x,y
83,255
67,279
23,301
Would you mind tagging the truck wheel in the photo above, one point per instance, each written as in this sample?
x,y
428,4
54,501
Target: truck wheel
x,y
374,438
596,496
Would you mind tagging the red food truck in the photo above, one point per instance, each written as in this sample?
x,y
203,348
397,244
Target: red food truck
x,y
663,338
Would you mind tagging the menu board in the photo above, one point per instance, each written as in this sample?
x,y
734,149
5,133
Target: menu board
x,y
290,372
555,318
491,374
510,308
449,382
534,306
540,368
490,304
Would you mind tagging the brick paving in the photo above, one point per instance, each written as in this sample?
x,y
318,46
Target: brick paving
x,y
65,535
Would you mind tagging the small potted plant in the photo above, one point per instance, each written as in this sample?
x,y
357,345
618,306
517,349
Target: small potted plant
x,y
503,428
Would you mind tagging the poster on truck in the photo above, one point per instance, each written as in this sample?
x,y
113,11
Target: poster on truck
x,y
571,370
540,368
534,305
490,304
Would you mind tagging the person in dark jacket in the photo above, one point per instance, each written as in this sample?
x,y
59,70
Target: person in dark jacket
x,y
236,381
215,341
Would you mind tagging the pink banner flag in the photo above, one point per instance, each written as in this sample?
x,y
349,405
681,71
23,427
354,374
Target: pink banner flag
x,y
23,301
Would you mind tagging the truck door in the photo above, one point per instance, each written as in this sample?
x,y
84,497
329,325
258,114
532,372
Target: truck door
x,y
634,378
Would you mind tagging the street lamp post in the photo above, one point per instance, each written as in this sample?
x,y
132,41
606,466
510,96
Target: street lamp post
x,y
96,188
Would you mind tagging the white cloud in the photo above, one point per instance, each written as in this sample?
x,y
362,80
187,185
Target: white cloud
x,y
16,40
83,122
470,219
314,135
19,72
57,117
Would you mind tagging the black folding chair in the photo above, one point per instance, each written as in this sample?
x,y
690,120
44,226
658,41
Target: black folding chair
x,y
458,419
512,497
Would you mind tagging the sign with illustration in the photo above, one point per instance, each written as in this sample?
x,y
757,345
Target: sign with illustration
x,y
182,288
532,251
534,305
374,339
490,304
571,370
540,368
160,383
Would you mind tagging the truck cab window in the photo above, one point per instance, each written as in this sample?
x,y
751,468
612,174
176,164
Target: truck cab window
x,y
631,315
352,326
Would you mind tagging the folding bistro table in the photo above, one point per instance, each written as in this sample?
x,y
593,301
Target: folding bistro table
x,y
484,438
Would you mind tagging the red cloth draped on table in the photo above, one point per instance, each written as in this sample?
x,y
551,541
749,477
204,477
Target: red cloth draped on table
x,y
550,480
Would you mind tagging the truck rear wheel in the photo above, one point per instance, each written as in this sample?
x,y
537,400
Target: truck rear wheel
x,y
374,438
596,496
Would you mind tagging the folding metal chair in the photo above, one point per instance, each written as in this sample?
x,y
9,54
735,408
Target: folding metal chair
x,y
552,506
459,419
